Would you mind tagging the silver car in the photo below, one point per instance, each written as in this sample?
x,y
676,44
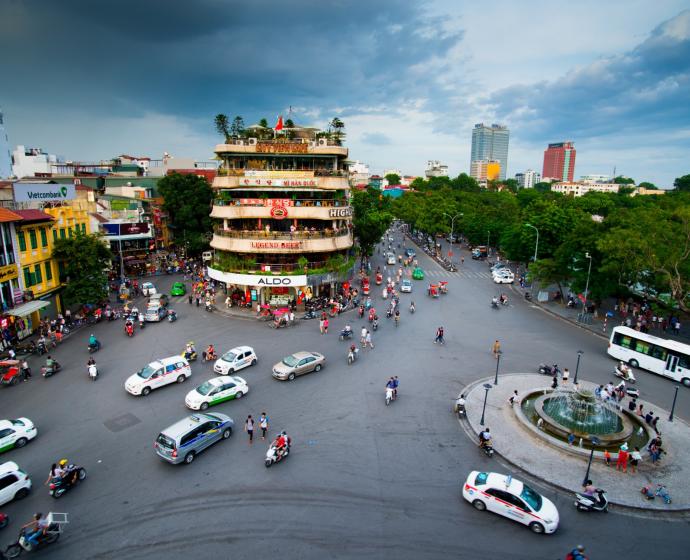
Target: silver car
x,y
298,363
181,442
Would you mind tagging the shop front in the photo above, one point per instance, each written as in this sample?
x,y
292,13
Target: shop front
x,y
262,289
21,321
9,285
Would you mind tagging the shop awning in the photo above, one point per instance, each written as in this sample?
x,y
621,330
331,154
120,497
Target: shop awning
x,y
28,308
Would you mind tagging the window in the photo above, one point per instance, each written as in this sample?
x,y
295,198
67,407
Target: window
x,y
642,347
55,237
658,352
69,230
28,277
32,238
7,480
83,229
6,432
62,233
49,271
22,240
38,274
684,361
624,341
44,237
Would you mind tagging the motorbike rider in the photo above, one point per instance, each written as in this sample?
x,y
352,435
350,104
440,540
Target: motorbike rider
x,y
361,311
397,315
42,343
375,322
93,342
141,319
281,443
624,370
460,403
189,350
353,352
484,437
209,353
412,307
396,384
36,528
503,299
129,327
494,302
50,363
589,489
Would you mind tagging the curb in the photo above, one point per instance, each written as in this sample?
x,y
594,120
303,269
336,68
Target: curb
x,y
638,510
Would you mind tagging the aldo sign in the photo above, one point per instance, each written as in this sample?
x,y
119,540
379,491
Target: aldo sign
x,y
260,280
43,192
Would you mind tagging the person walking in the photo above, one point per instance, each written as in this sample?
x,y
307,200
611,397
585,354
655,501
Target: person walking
x,y
263,424
496,349
367,340
325,326
622,461
513,398
635,458
249,428
566,376
363,337
321,322
439,335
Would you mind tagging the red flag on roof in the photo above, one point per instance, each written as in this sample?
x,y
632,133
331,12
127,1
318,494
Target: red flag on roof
x,y
279,124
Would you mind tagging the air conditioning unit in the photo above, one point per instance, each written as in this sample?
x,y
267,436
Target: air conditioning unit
x,y
252,141
240,142
323,142
312,143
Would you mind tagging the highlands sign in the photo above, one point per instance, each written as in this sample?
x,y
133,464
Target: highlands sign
x,y
43,192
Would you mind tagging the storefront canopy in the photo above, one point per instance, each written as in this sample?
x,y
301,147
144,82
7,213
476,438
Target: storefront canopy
x,y
28,308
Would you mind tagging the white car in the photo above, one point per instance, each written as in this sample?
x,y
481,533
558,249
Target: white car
x,y
174,369
391,258
14,483
505,278
237,358
510,498
148,289
406,286
216,391
16,433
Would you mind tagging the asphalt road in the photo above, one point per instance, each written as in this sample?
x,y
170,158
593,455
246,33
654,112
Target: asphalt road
x,y
364,480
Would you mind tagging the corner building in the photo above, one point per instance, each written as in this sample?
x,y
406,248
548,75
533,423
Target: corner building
x,y
283,219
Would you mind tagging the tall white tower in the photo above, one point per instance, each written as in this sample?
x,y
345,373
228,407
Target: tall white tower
x,y
5,157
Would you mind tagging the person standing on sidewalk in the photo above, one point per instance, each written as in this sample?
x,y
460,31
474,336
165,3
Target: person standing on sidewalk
x,y
263,424
496,349
249,428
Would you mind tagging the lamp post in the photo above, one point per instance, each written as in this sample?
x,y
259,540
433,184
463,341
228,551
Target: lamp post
x,y
595,441
589,270
673,406
498,361
536,246
577,365
452,224
488,234
487,387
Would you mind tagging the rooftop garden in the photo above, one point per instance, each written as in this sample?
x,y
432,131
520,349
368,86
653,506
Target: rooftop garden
x,y
235,130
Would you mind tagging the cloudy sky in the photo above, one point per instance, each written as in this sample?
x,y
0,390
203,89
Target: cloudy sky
x,y
90,80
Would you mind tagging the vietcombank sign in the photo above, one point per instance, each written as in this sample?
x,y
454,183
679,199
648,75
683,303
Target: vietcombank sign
x,y
43,192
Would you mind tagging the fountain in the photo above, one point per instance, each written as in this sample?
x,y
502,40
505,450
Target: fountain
x,y
579,412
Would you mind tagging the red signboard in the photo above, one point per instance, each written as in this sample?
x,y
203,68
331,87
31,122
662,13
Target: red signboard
x,y
279,212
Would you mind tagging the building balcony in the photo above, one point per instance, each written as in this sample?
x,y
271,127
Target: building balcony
x,y
245,241
281,181
320,146
299,209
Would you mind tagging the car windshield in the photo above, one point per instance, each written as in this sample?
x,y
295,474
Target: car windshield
x,y
206,388
17,423
146,372
290,361
165,441
531,497
229,356
481,478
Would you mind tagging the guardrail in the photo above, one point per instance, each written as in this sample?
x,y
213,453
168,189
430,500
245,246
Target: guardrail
x,y
249,234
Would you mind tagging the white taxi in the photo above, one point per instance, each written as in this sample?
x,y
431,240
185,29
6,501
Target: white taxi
x,y
216,391
238,358
510,498
174,369
16,433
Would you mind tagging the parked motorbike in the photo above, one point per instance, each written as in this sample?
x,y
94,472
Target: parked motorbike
x,y
73,476
546,369
47,371
598,502
528,296
272,456
624,372
346,334
310,314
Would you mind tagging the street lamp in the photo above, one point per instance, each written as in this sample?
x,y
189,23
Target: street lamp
x,y
452,226
589,270
595,441
486,386
577,366
488,234
536,247
498,361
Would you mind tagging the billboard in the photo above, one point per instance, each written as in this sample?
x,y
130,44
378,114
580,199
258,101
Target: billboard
x,y
43,192
138,228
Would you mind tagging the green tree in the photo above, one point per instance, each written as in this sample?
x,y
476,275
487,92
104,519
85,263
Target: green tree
x,y
85,260
620,180
647,185
187,200
548,271
289,123
222,126
511,184
237,126
371,219
464,182
336,126
682,183
263,122
393,178
542,187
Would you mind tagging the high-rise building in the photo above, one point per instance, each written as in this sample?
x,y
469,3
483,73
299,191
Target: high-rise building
x,y
5,156
559,161
528,179
485,170
490,143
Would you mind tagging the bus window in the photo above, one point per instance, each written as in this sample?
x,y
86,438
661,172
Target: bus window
x,y
622,340
658,352
684,361
642,347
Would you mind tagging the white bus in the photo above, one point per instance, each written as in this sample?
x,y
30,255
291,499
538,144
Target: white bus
x,y
663,357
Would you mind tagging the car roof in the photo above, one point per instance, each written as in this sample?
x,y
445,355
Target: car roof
x,y
178,284
182,426
170,360
9,466
498,480
303,354
241,349
147,284
5,424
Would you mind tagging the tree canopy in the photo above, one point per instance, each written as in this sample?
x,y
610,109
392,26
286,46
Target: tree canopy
x,y
371,219
393,178
682,183
84,260
187,200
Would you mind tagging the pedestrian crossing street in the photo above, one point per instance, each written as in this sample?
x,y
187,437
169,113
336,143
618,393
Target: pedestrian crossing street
x,y
441,274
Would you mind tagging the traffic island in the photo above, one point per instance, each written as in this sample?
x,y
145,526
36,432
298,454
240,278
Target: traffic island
x,y
548,453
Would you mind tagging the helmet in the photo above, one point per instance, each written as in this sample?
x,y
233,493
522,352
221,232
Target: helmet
x,y
62,462
283,433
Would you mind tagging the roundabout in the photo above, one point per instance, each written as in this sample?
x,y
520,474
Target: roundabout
x,y
533,436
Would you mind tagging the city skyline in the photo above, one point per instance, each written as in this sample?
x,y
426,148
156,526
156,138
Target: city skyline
x,y
410,81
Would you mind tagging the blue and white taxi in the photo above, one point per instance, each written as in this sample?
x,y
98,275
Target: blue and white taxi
x,y
504,495
174,369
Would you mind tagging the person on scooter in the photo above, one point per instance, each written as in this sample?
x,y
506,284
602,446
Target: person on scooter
x,y
589,489
129,327
352,354
280,444
494,302
190,351
412,307
50,363
141,320
484,437
396,384
209,353
93,342
36,528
